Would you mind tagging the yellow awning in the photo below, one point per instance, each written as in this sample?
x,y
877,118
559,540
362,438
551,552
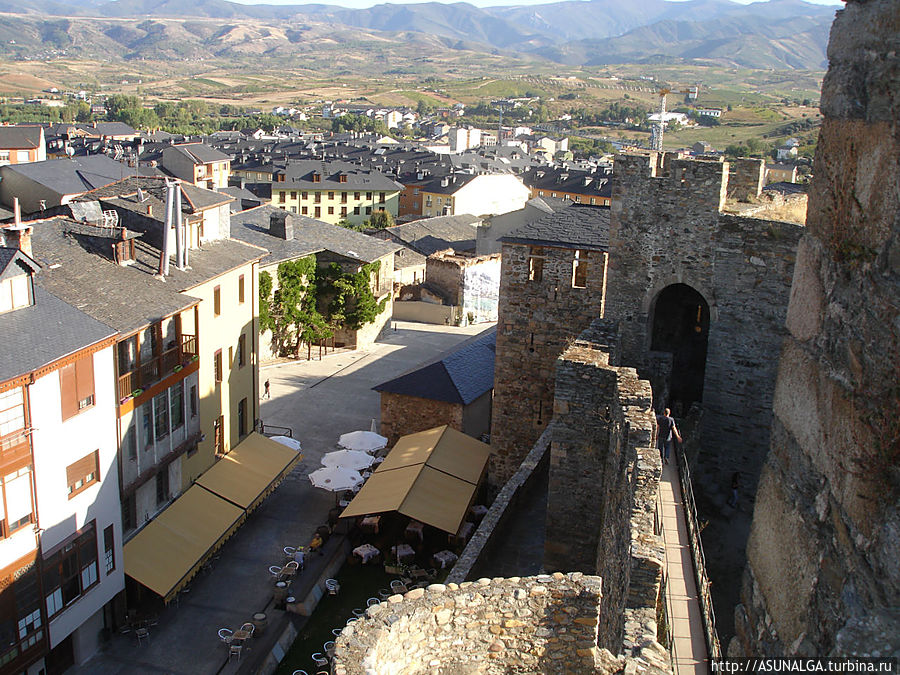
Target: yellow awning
x,y
167,553
433,478
250,472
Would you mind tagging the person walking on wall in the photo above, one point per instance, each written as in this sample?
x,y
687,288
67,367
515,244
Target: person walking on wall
x,y
667,434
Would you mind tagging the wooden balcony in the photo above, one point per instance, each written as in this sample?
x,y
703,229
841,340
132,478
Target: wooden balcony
x,y
15,448
157,367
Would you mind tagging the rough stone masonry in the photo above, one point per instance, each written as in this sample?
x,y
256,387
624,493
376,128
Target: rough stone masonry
x,y
823,576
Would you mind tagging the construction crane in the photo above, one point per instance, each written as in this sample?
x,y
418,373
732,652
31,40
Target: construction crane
x,y
656,131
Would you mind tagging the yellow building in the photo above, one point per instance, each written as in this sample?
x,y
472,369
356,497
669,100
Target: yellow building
x,y
334,191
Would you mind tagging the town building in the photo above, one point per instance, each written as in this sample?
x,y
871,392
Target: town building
x,y
333,191
198,164
21,144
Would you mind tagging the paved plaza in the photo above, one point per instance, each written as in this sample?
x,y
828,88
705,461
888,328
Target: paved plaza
x,y
318,400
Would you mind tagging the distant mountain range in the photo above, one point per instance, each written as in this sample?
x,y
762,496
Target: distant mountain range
x,y
781,34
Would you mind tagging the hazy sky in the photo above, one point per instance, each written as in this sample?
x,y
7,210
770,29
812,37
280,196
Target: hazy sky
x,y
477,3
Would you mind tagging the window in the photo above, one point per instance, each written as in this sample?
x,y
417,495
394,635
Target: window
x,y
293,194
12,415
22,628
343,198
161,415
381,197
356,210
19,506
356,196
217,301
536,263
282,197
129,513
369,196
342,178
317,197
218,441
343,211
318,211
368,210
83,473
304,210
109,549
540,193
76,383
593,201
147,426
242,417
293,209
579,270
162,486
71,570
241,289
304,195
331,196
217,365
317,178
240,351
176,405
415,191
193,400
330,210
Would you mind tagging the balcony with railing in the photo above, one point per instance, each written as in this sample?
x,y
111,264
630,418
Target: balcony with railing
x,y
154,368
15,448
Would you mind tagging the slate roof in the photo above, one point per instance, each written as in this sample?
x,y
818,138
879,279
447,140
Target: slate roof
x,y
460,375
123,193
785,188
569,180
73,176
15,137
124,297
44,332
199,153
299,175
310,236
578,226
430,235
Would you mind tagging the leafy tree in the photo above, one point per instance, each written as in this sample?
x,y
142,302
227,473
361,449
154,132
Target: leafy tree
x,y
346,298
381,220
290,311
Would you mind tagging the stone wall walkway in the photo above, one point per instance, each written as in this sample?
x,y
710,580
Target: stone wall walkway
x,y
689,651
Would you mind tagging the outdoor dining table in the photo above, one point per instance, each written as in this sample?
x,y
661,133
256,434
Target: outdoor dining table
x,y
240,635
370,524
366,552
402,552
415,531
444,559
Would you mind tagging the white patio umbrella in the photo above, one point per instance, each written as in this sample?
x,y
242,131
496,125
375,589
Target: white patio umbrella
x,y
366,441
349,459
292,443
335,478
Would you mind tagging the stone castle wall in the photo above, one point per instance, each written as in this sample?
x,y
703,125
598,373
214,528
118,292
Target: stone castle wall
x,y
543,624
666,227
537,321
604,469
822,575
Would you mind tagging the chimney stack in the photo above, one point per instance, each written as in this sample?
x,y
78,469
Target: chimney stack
x,y
281,225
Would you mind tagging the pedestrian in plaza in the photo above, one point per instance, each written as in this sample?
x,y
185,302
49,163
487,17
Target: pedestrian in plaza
x,y
266,393
735,486
667,434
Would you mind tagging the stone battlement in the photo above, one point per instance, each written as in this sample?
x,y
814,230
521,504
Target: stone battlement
x,y
541,624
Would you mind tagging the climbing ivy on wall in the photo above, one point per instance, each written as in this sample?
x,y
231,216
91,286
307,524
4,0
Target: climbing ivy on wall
x,y
310,303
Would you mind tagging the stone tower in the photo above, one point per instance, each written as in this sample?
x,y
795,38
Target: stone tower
x,y
552,285
822,575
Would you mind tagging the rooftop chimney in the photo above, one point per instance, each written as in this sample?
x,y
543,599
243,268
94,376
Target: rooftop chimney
x,y
19,234
281,225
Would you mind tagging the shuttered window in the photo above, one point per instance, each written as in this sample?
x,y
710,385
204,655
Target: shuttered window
x,y
83,473
76,384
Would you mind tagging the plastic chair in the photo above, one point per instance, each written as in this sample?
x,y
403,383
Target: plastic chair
x,y
299,672
289,551
319,660
328,648
235,650
332,586
249,627
372,601
359,613
226,635
397,586
384,594
275,570
142,634
337,631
